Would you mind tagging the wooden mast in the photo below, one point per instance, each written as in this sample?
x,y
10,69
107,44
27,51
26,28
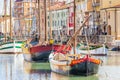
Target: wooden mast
x,y
45,21
5,20
39,19
30,21
76,33
10,19
50,20
74,26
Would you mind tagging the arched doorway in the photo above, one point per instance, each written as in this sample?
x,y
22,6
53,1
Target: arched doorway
x,y
109,30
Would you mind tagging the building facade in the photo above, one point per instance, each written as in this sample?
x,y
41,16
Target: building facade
x,y
110,14
23,13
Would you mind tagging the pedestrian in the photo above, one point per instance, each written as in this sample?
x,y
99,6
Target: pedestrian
x,y
104,28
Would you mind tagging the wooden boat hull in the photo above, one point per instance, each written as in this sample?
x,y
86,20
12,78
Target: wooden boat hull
x,y
41,56
59,66
83,66
11,47
40,53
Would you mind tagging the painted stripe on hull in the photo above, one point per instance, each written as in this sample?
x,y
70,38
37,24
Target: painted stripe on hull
x,y
11,50
40,48
10,47
47,48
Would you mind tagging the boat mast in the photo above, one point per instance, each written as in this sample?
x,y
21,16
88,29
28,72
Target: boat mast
x,y
45,20
10,19
39,19
74,26
5,19
50,20
30,19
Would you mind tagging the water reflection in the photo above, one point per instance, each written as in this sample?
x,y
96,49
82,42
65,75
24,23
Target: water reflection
x,y
37,71
55,76
13,67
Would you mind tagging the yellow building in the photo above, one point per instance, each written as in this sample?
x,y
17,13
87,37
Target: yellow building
x,y
86,8
110,14
109,3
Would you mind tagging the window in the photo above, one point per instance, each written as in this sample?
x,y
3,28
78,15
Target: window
x,y
58,22
48,17
53,23
48,24
58,15
53,15
61,22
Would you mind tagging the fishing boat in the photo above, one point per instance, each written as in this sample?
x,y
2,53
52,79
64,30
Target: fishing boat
x,y
38,50
64,62
10,46
94,49
39,53
76,64
79,66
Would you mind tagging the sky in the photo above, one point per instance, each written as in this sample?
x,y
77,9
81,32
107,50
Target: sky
x,y
1,6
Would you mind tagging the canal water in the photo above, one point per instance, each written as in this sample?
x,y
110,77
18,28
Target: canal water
x,y
13,67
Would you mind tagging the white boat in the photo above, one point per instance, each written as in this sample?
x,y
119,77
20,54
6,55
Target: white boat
x,y
99,51
7,46
11,47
